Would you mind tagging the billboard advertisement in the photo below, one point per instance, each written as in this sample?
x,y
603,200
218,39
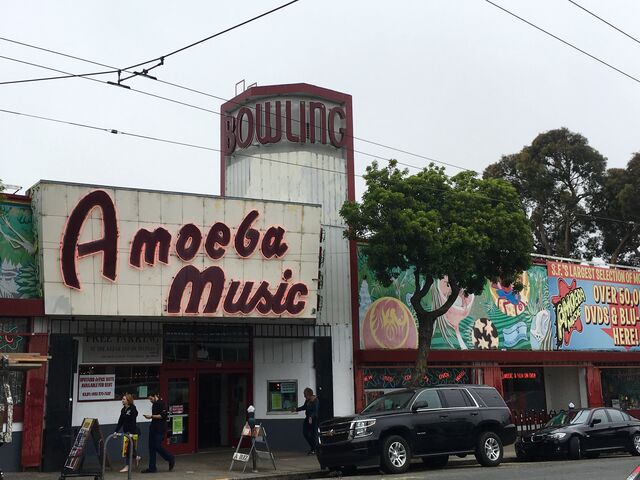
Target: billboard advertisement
x,y
498,318
594,308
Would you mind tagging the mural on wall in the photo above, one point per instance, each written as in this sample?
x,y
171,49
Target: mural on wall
x,y
18,269
498,318
594,308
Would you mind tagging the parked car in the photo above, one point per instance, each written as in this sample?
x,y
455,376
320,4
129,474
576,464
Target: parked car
x,y
585,432
430,423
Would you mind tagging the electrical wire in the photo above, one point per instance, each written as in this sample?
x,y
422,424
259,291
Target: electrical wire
x,y
202,147
144,73
182,49
604,21
190,105
635,79
168,99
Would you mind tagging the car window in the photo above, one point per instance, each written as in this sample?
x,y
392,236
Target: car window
x,y
454,398
391,401
573,417
489,396
428,399
600,414
616,415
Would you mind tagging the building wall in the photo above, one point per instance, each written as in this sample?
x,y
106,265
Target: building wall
x,y
562,385
278,172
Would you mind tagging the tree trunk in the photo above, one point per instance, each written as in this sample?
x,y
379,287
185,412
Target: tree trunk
x,y
425,334
426,322
621,245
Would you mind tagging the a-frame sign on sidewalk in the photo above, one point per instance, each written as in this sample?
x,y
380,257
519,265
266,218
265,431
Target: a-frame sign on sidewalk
x,y
259,447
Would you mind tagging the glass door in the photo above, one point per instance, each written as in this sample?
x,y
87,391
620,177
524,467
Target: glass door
x,y
179,390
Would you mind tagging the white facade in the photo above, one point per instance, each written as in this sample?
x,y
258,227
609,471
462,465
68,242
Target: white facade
x,y
145,289
314,173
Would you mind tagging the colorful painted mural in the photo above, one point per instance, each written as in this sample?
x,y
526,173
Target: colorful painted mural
x,y
499,318
18,267
594,308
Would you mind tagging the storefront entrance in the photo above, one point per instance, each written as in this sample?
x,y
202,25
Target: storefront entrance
x,y
524,389
206,408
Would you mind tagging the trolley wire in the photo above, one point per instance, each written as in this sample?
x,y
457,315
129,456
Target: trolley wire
x,y
203,147
604,21
569,44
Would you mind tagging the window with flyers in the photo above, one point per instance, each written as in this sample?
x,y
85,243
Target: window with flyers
x,y
282,395
138,380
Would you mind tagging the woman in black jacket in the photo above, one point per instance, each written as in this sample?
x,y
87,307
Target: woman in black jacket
x,y
310,425
127,422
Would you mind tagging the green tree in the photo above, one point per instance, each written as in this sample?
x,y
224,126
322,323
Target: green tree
x,y
558,177
464,228
618,214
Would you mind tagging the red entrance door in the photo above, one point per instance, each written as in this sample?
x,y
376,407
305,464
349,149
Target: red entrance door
x,y
179,389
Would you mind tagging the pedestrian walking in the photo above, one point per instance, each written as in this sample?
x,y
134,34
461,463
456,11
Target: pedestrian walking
x,y
127,422
157,431
310,425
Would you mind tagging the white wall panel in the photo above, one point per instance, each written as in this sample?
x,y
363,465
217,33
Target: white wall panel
x,y
277,172
281,359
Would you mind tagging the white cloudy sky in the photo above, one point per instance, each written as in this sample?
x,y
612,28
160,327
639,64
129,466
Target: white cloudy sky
x,y
458,81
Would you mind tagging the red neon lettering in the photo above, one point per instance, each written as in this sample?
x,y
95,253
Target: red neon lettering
x,y
71,250
247,237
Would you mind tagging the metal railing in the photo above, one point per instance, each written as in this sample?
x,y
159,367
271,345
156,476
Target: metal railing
x,y
531,420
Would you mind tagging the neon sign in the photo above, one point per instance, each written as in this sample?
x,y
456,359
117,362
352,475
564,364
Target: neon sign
x,y
207,291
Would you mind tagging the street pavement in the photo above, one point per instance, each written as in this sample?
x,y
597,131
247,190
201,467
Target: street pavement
x,y
214,465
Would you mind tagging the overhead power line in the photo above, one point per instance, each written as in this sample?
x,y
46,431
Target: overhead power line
x,y
171,100
128,69
593,57
182,49
604,21
272,160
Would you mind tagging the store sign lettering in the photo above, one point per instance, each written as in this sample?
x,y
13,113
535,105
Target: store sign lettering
x,y
567,308
210,285
264,123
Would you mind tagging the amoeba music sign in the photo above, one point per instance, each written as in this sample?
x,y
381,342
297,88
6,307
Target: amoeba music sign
x,y
122,252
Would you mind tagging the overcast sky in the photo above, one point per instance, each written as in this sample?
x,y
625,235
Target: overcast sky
x,y
457,81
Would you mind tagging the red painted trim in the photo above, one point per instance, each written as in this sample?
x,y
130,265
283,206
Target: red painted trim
x,y
594,387
22,307
15,198
257,92
455,356
222,152
34,405
285,89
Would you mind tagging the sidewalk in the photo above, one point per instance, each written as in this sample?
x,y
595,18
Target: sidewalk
x,y
214,465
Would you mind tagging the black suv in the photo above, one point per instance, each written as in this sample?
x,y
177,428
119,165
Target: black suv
x,y
431,423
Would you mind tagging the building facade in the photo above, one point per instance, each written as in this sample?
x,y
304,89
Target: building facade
x,y
219,302
570,335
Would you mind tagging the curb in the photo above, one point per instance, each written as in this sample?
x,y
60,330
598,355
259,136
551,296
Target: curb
x,y
313,474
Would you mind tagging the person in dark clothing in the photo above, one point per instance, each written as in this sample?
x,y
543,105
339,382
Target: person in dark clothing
x,y
127,422
157,431
310,425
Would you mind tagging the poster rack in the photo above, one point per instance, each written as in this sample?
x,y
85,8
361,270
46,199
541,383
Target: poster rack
x,y
90,429
259,448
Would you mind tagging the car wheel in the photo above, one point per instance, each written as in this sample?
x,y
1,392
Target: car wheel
x,y
575,448
635,444
489,450
396,454
436,462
